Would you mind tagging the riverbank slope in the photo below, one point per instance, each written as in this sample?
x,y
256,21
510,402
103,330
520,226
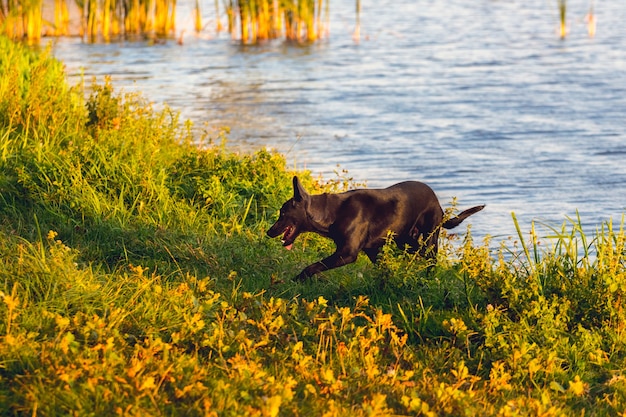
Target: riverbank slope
x,y
136,279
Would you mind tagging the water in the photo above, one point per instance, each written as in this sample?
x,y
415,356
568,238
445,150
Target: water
x,y
478,98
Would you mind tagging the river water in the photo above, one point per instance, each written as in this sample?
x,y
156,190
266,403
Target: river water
x,y
481,99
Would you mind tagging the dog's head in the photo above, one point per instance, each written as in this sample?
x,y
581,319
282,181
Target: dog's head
x,y
293,216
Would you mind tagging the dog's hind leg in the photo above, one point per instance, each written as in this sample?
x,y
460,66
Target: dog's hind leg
x,y
427,245
372,253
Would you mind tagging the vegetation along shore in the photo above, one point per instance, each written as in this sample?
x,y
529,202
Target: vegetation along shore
x,y
249,21
136,279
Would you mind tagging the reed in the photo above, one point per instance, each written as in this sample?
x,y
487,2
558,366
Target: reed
x,y
22,19
34,19
61,18
562,18
357,30
10,18
300,21
591,21
218,21
134,16
111,18
250,21
198,17
91,19
165,17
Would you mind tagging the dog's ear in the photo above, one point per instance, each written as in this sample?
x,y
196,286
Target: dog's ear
x,y
299,193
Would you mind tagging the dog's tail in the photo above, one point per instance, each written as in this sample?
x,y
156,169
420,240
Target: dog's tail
x,y
455,221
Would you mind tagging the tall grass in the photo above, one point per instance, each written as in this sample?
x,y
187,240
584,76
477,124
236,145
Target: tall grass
x,y
251,21
21,19
100,19
61,18
136,279
112,18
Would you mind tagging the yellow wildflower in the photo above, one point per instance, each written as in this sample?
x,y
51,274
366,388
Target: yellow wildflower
x,y
577,387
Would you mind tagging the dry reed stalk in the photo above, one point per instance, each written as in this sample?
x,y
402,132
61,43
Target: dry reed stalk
x,y
318,17
260,20
165,14
171,27
198,17
357,30
92,19
14,26
264,21
277,22
117,18
306,11
218,22
148,24
249,20
21,19
591,21
133,21
243,21
34,20
112,18
61,18
106,20
562,18
230,14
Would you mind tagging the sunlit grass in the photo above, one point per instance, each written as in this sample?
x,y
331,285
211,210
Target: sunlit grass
x,y
136,279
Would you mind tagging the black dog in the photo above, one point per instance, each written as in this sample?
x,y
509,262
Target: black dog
x,y
361,219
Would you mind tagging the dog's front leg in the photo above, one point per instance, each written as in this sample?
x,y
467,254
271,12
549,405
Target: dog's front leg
x,y
335,260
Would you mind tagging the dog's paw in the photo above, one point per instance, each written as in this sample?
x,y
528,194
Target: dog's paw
x,y
302,276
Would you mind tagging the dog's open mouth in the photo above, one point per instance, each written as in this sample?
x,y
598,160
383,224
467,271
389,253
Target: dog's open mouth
x,y
287,238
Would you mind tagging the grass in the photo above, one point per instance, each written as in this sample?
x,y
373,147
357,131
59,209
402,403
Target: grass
x,y
136,279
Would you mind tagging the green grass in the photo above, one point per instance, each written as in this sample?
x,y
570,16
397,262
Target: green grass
x,y
136,279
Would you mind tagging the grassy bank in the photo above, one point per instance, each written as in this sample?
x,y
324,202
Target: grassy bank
x,y
136,279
